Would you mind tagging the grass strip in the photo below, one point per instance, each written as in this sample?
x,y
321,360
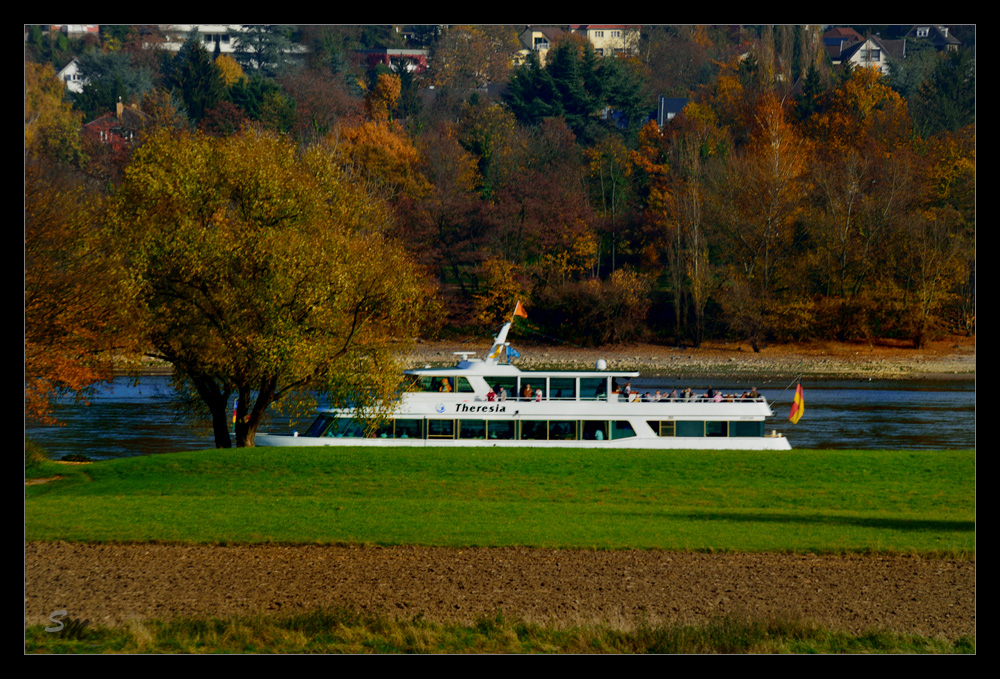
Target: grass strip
x,y
344,631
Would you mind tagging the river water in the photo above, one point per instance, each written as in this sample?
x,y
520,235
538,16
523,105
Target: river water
x,y
126,419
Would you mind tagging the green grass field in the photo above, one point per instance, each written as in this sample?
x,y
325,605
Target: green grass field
x,y
800,500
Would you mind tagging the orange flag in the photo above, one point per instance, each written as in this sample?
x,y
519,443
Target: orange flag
x,y
519,310
798,405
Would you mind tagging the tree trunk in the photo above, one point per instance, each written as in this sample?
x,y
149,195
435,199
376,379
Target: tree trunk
x,y
217,400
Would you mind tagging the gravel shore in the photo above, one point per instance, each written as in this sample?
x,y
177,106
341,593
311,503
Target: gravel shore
x,y
950,358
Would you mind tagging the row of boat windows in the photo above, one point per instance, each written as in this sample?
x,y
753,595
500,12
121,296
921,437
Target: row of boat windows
x,y
563,388
528,430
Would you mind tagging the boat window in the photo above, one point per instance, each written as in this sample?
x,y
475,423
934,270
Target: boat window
x,y
535,430
409,429
429,383
440,429
472,429
345,427
533,383
463,386
562,388
746,428
691,429
508,383
593,388
594,431
443,384
500,430
319,426
663,428
621,429
713,428
562,430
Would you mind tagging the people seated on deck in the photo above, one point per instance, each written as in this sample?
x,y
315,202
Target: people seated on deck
x,y
753,393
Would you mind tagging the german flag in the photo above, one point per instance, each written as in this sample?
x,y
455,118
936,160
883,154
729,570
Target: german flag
x,y
798,405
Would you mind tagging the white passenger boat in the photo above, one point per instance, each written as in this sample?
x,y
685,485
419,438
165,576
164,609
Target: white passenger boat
x,y
486,402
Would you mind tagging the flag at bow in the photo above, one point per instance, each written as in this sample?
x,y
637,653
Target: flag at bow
x,y
519,310
798,405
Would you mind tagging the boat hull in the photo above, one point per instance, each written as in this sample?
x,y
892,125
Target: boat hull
x,y
730,443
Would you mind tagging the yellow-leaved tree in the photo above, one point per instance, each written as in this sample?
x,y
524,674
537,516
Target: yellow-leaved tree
x,y
260,272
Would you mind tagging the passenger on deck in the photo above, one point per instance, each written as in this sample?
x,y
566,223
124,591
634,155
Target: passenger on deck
x,y
502,394
491,395
526,392
538,394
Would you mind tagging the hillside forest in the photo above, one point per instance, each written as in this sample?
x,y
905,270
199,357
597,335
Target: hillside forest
x,y
790,199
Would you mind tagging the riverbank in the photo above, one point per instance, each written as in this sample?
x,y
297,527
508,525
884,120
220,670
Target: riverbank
x,y
951,358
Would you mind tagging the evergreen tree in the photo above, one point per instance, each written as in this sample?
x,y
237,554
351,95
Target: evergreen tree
x,y
947,99
197,79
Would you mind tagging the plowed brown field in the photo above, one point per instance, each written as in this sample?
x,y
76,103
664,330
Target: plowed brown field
x,y
115,583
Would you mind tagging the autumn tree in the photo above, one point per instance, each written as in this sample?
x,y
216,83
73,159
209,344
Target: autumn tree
x,y
674,166
474,56
321,101
259,272
74,320
229,69
756,200
443,226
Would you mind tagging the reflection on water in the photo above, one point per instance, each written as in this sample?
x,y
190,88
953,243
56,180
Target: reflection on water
x,y
129,420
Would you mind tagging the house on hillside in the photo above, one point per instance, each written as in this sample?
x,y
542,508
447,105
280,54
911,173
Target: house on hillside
x,y
668,108
610,39
845,45
410,60
538,39
117,129
938,36
71,76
